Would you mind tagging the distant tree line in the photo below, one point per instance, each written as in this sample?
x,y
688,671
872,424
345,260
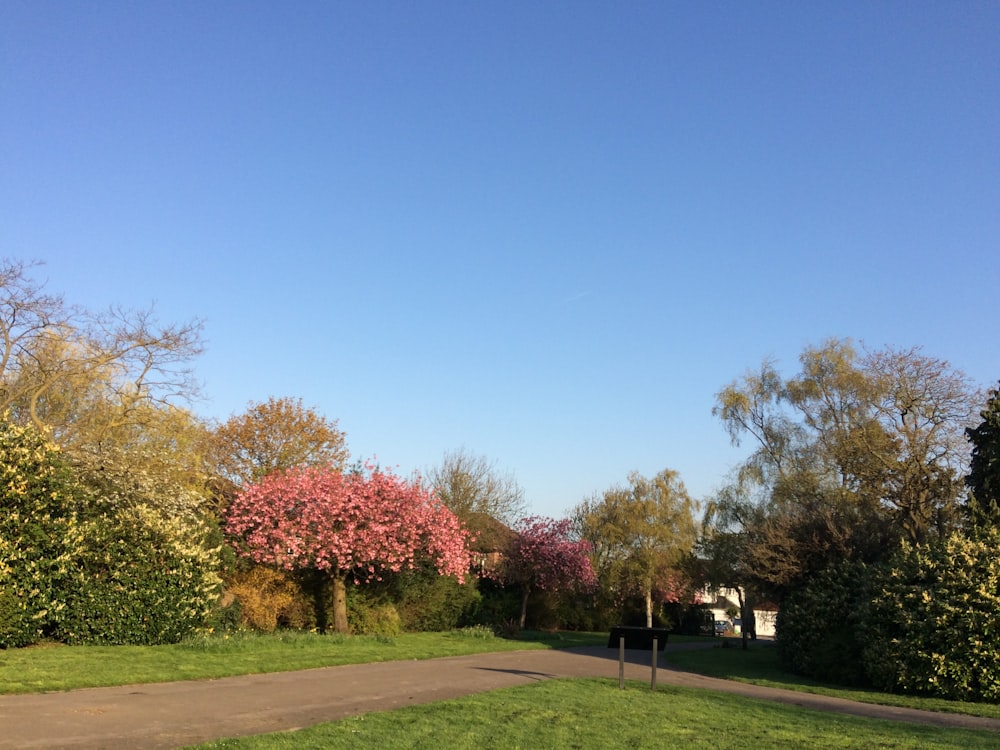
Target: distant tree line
x,y
867,511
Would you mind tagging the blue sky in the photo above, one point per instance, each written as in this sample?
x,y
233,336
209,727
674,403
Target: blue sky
x,y
547,233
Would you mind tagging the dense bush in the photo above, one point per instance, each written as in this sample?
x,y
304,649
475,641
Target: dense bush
x,y
935,624
76,569
269,599
497,607
821,627
578,611
434,603
137,578
370,612
38,500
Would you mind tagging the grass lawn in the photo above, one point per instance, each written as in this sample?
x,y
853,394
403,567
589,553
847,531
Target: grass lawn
x,y
594,713
58,667
759,665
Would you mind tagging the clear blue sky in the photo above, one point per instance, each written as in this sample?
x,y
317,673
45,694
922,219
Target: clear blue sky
x,y
547,232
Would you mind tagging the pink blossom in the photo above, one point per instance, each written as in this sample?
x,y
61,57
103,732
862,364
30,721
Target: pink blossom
x,y
358,524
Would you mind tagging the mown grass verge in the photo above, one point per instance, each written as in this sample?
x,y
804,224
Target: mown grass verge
x,y
594,713
58,667
759,665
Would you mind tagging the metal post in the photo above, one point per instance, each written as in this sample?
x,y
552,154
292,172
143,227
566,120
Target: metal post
x,y
652,685
621,663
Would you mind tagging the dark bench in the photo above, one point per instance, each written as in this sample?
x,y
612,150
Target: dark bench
x,y
638,637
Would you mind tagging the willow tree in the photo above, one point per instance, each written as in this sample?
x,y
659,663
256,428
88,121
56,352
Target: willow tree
x,y
856,451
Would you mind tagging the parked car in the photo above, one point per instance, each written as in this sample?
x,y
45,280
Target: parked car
x,y
723,627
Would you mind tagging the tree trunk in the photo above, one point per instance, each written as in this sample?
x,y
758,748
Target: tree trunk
x,y
340,604
524,608
743,616
315,582
649,607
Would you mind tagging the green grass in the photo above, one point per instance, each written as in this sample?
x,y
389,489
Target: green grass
x,y
759,665
594,713
58,667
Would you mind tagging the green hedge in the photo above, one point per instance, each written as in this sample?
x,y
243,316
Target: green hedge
x,y
72,571
821,627
138,579
38,500
926,622
935,620
429,602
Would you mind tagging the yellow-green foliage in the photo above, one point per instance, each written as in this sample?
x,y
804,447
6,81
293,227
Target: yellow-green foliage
x,y
371,613
138,578
37,513
76,567
935,625
268,598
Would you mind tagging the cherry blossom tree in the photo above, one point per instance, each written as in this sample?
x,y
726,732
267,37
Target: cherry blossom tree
x,y
357,525
543,556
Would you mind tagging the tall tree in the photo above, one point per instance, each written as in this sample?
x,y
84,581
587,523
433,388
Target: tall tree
x,y
108,388
276,435
984,469
855,450
543,556
345,526
472,485
157,461
75,374
640,534
720,557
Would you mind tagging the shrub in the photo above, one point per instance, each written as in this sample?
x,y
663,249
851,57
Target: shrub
x,y
137,578
689,619
372,614
574,610
821,627
38,501
429,602
269,599
935,626
496,606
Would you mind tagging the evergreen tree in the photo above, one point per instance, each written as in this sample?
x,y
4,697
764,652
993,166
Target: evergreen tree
x,y
984,469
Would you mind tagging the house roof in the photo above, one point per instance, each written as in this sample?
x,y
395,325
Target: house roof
x,y
490,535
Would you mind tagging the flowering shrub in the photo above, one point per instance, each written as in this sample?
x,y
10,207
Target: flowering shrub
x,y
267,598
70,570
138,578
935,625
37,514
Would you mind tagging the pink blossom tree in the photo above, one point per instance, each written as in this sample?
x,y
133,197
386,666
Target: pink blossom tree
x,y
544,557
356,525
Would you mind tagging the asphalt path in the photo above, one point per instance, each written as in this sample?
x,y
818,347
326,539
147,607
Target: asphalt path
x,y
177,714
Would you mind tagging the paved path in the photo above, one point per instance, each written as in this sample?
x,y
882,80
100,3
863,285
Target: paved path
x,y
175,714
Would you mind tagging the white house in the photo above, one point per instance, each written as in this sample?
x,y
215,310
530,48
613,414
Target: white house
x,y
723,601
